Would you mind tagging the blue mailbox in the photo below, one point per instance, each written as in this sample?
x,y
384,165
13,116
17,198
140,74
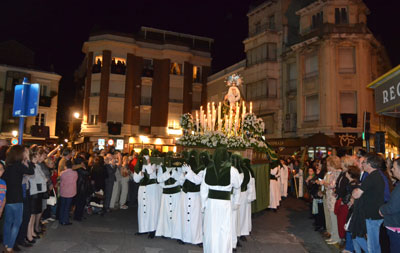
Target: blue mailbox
x,y
26,103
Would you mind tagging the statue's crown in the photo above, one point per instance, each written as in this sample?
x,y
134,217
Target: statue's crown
x,y
234,80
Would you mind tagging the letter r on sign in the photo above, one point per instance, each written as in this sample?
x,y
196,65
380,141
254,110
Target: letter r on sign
x,y
385,96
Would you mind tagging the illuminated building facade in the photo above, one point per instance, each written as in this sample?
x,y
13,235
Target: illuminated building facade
x,y
137,86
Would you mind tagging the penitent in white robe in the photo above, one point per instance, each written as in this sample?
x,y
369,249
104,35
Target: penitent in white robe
x,y
148,201
235,212
169,222
284,180
274,190
218,216
301,182
191,216
246,198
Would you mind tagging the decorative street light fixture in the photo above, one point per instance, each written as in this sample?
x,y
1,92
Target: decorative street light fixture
x,y
77,115
14,133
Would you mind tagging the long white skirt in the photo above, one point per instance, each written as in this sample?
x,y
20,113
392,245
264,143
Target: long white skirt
x,y
217,226
244,223
274,194
169,222
148,207
192,228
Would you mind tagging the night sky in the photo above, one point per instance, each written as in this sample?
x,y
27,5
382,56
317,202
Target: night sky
x,y
56,30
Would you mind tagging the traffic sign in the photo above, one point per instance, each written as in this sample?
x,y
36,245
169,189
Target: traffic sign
x,y
26,99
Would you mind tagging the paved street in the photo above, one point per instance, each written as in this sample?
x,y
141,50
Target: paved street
x,y
288,230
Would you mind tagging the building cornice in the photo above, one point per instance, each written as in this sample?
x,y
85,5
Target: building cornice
x,y
239,66
311,7
34,72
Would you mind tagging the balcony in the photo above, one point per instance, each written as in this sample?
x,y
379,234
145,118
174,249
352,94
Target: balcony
x,y
45,101
328,28
145,101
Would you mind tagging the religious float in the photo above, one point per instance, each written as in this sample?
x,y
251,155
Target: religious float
x,y
231,124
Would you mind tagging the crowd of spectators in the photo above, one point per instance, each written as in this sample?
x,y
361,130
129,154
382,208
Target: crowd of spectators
x,y
355,201
32,178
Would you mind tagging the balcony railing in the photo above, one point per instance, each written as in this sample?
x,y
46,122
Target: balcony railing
x,y
45,101
145,101
314,117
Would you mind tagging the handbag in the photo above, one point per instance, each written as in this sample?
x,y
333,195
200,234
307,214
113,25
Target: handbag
x,y
52,200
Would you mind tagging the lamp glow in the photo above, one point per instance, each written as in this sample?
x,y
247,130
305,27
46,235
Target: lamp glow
x,y
77,115
14,133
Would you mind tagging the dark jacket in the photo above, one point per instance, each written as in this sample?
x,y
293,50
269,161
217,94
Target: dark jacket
x,y
98,176
391,210
111,173
341,186
13,177
83,183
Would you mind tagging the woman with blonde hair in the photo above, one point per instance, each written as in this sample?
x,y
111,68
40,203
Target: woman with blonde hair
x,y
329,199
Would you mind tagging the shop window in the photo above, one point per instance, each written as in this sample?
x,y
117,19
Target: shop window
x,y
176,69
347,63
98,63
118,66
311,108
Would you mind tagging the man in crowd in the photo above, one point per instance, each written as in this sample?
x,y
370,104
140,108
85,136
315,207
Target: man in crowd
x,y
391,212
371,195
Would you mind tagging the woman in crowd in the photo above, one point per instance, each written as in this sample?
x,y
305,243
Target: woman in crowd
x,y
17,164
82,188
37,186
333,165
353,176
120,189
98,174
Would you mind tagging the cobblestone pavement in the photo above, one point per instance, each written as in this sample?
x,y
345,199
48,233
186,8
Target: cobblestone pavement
x,y
288,230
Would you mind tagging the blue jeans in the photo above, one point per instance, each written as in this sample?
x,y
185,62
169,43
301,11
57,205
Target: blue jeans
x,y
64,210
360,243
394,241
349,242
373,228
12,222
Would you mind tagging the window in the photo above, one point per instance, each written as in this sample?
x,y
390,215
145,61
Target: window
x,y
311,66
44,90
341,17
257,27
93,119
292,106
271,22
196,74
257,90
312,108
176,69
348,102
317,20
269,123
40,119
196,99
147,68
144,118
176,94
118,66
261,53
292,76
347,60
145,98
272,88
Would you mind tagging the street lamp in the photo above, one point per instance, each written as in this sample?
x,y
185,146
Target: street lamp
x,y
66,140
77,115
14,133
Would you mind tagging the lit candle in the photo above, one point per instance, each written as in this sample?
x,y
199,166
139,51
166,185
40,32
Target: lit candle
x,y
201,117
230,118
251,107
197,121
219,115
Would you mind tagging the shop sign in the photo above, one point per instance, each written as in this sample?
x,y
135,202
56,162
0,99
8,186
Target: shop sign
x,y
348,139
120,144
101,142
387,95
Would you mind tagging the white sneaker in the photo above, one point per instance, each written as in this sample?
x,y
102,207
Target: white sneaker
x,y
96,205
124,207
332,242
51,219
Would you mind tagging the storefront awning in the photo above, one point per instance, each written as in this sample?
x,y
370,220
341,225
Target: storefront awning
x,y
387,93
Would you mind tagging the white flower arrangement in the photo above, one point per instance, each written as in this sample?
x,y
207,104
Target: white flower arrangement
x,y
186,121
253,124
